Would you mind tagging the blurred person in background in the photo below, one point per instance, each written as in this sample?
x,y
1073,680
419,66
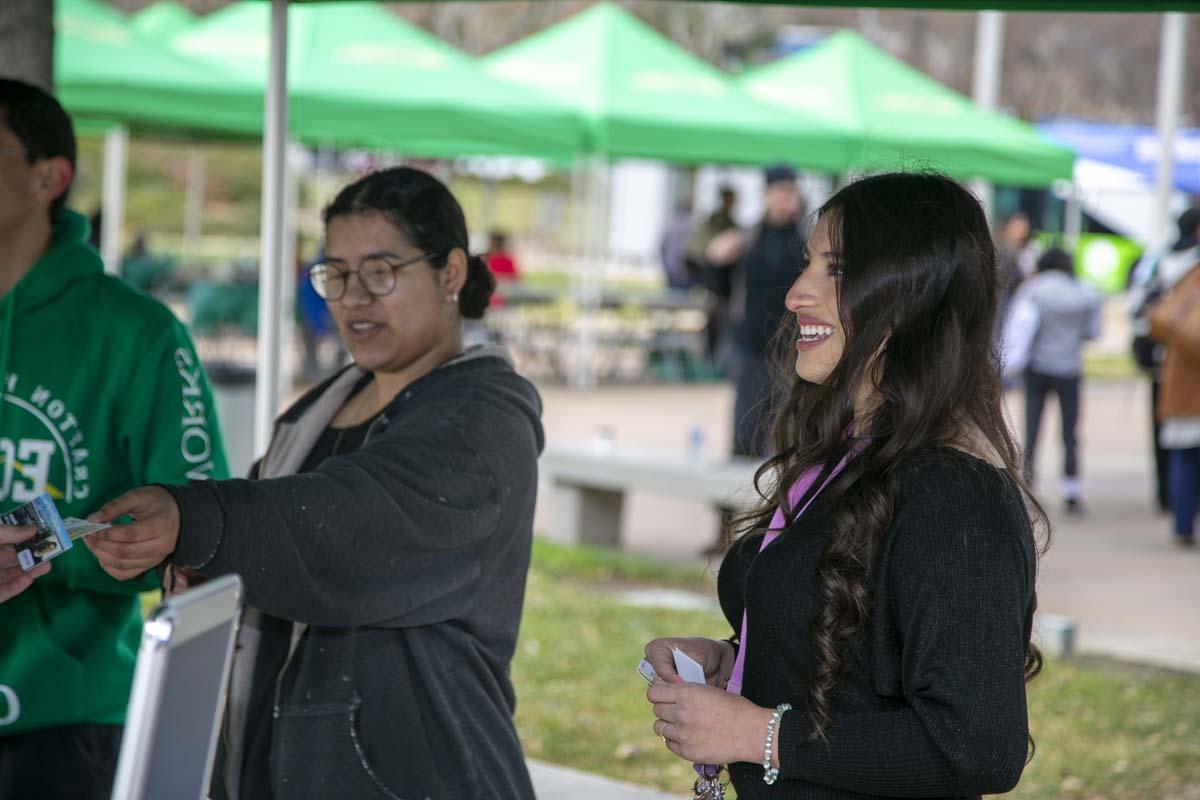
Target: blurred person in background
x,y
1153,277
317,327
1175,322
1011,246
678,269
714,278
762,264
500,259
1053,316
1017,247
145,269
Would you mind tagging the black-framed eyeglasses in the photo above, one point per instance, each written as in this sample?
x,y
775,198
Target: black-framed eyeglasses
x,y
377,276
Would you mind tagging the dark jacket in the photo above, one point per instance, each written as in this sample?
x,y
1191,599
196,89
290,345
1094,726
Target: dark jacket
x,y
1180,395
932,701
403,564
761,280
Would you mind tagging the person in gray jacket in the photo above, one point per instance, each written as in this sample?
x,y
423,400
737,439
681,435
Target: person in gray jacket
x,y
385,537
1053,316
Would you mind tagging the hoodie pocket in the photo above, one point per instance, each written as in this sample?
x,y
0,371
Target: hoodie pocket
x,y
317,752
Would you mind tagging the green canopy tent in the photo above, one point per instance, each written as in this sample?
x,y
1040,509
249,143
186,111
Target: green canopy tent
x,y
643,96
362,76
106,71
162,19
894,116
359,75
114,80
266,391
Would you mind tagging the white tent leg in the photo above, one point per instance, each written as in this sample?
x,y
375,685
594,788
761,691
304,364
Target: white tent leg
x,y
116,158
1072,219
1171,65
985,85
287,287
193,208
584,370
266,387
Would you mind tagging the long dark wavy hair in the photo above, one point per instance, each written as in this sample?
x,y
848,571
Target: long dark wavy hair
x,y
916,301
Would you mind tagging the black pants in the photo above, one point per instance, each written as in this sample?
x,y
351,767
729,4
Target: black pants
x,y
1162,485
1037,386
73,762
752,406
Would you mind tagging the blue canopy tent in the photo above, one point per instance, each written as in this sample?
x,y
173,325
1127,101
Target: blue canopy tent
x,y
1135,148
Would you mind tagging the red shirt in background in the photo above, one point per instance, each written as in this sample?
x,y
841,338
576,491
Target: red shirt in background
x,y
502,265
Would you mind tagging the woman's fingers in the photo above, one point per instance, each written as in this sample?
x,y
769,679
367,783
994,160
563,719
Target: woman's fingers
x,y
13,580
15,534
658,653
114,509
667,712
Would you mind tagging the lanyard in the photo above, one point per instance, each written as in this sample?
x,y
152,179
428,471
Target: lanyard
x,y
802,485
799,488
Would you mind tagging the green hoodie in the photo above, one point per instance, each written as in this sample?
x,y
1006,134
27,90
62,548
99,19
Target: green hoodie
x,y
100,392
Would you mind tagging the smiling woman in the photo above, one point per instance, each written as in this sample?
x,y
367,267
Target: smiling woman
x,y
386,537
882,598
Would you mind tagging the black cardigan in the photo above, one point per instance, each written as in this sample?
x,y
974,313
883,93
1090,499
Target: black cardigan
x,y
932,703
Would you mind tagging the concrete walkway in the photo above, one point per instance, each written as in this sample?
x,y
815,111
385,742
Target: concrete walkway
x,y
552,782
1114,571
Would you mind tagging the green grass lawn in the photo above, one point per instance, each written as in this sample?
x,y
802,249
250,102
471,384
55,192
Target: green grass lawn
x,y
1103,729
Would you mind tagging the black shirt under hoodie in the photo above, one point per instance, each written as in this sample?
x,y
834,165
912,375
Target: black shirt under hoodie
x,y
932,704
402,564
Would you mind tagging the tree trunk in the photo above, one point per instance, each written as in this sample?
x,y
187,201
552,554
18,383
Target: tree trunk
x,y
27,41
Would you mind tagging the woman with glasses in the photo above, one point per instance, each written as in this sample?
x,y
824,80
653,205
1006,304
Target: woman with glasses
x,y
385,536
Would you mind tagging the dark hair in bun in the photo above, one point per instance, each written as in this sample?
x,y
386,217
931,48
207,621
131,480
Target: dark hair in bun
x,y
477,291
425,213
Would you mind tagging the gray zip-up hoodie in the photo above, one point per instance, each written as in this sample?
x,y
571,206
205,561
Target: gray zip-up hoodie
x,y
1053,315
388,585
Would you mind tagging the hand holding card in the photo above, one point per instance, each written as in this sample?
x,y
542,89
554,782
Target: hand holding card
x,y
49,540
13,579
126,551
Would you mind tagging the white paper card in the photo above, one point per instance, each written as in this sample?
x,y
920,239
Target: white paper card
x,y
687,667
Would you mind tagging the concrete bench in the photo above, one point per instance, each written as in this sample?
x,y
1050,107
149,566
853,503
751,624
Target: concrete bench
x,y
588,484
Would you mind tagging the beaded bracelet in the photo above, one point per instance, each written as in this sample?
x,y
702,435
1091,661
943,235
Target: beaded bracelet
x,y
770,773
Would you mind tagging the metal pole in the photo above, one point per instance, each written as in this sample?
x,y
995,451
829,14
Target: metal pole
x,y
193,209
287,293
582,374
985,85
266,387
116,158
1072,219
1171,65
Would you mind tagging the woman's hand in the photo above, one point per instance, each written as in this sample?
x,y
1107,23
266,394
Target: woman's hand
x,y
716,657
126,551
14,580
707,725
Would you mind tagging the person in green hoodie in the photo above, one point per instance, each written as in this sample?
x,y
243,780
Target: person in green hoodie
x,y
100,391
